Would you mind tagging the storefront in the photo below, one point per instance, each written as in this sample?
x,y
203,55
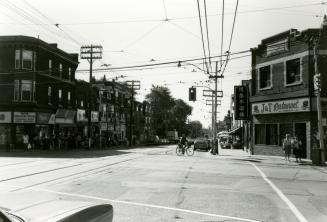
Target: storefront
x,y
65,124
24,123
272,120
5,129
81,122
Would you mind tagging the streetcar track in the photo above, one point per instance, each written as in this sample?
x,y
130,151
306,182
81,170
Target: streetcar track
x,y
74,174
67,176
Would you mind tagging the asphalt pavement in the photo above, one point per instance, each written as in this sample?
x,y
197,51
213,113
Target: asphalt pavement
x,y
154,184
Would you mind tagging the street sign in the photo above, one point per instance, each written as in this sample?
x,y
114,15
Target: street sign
x,y
241,102
317,82
209,102
211,93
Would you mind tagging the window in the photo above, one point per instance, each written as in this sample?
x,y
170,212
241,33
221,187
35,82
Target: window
x,y
265,77
60,70
271,134
82,103
27,59
293,71
17,59
26,90
68,97
49,94
50,64
16,90
277,47
59,95
69,74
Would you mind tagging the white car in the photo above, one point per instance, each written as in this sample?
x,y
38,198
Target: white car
x,y
58,211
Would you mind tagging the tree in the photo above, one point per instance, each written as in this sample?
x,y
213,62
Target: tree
x,y
180,112
195,129
161,104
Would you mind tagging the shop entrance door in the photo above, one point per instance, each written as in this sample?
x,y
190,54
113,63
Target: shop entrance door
x,y
300,131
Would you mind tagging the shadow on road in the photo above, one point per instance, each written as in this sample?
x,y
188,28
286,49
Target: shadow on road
x,y
75,154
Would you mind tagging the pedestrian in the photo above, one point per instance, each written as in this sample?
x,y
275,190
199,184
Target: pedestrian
x,y
26,142
296,148
287,146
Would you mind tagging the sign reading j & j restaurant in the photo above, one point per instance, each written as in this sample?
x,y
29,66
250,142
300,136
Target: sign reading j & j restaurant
x,y
281,106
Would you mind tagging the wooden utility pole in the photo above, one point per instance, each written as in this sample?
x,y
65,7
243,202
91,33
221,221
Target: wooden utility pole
x,y
133,85
318,91
90,53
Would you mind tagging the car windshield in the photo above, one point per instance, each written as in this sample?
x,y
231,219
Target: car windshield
x,y
163,110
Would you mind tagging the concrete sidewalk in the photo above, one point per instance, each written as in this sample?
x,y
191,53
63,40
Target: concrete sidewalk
x,y
265,159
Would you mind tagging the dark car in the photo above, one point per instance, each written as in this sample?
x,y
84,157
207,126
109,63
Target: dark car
x,y
201,144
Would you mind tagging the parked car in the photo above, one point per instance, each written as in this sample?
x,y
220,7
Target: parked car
x,y
201,144
59,211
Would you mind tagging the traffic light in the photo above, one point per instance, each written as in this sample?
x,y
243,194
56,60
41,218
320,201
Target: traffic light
x,y
192,94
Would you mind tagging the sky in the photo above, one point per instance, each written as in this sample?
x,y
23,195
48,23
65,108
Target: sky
x,y
152,31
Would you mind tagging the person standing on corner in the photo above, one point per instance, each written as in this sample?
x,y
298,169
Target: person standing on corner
x,y
287,146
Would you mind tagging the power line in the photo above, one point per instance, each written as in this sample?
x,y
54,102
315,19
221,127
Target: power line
x,y
222,31
203,47
177,18
207,28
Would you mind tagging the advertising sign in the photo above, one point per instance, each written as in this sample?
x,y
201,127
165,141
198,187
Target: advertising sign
x,y
94,116
241,101
5,117
81,115
45,118
282,106
24,117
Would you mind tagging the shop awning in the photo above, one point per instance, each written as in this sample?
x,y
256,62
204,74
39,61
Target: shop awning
x,y
235,131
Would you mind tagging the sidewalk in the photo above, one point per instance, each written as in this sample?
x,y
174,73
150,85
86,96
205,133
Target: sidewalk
x,y
265,159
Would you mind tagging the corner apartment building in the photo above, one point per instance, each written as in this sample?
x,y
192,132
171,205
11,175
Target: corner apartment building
x,y
282,91
37,88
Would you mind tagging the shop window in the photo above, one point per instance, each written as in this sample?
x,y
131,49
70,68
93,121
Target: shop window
x,y
260,134
17,59
49,94
26,90
265,77
271,134
27,59
293,71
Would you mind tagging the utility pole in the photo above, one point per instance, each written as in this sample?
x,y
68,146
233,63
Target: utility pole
x,y
318,91
90,52
133,85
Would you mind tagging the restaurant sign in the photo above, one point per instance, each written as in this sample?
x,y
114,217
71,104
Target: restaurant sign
x,y
24,117
282,106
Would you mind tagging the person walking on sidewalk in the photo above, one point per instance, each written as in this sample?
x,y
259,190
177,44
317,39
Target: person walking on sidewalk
x,y
287,146
297,147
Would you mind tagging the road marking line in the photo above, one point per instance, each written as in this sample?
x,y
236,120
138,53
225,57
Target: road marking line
x,y
296,212
138,204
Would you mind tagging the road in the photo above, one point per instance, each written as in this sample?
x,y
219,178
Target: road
x,y
153,184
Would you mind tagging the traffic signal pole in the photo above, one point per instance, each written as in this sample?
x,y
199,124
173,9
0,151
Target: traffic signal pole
x,y
320,127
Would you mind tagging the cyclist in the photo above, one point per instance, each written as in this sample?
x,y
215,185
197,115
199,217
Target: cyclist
x,y
183,143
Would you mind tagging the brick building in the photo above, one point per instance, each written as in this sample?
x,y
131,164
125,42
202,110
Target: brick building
x,y
282,93
37,89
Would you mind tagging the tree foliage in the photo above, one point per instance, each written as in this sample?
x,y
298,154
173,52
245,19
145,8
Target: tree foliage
x,y
168,113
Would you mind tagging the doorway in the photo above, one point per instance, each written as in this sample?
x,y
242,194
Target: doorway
x,y
300,132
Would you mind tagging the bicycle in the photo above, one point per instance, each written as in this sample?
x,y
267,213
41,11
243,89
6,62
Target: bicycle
x,y
188,149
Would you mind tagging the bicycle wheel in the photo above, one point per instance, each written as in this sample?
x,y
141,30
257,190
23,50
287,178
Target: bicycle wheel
x,y
179,151
189,151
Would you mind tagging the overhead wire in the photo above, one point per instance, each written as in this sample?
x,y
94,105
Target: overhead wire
x,y
207,31
202,37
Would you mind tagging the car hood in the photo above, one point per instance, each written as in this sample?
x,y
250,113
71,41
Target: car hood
x,y
56,210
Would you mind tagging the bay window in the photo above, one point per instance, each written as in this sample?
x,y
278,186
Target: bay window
x,y
27,57
24,90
